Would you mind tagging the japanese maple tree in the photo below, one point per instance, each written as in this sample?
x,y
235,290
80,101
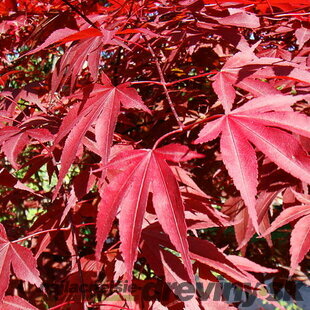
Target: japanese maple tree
x,y
150,149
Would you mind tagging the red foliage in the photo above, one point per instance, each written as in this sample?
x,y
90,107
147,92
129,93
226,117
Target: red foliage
x,y
144,144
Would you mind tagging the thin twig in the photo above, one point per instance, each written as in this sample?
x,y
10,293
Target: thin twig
x,y
186,127
80,13
78,259
49,230
99,304
174,82
39,233
163,82
63,304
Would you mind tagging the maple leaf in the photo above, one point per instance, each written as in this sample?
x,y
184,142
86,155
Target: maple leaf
x,y
302,35
245,69
14,139
244,229
151,200
71,64
300,238
22,261
240,18
16,303
144,171
229,76
234,268
89,47
102,107
7,179
258,122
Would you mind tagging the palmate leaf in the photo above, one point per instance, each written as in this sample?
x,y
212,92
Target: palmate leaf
x,y
245,70
255,122
89,43
14,140
300,242
20,258
102,108
142,172
300,238
229,76
16,303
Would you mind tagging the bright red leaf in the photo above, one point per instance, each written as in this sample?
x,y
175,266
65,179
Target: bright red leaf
x,y
251,124
22,261
142,172
16,303
102,109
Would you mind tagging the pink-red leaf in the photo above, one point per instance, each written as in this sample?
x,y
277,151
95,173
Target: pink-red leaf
x,y
252,123
142,172
300,242
133,208
169,208
241,19
302,35
22,260
102,108
240,160
16,303
224,90
178,153
280,147
245,264
288,215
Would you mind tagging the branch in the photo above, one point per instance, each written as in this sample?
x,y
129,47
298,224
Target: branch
x,y
187,127
49,230
174,82
64,304
163,83
78,259
80,13
39,233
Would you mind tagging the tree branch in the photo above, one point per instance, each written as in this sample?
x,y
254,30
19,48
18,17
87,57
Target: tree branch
x,y
163,83
76,10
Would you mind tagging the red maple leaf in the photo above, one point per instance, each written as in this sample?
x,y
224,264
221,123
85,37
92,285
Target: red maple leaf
x,y
101,108
142,172
300,238
258,122
21,259
16,303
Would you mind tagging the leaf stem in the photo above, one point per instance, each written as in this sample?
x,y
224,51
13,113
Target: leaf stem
x,y
174,82
63,304
49,230
186,127
41,232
